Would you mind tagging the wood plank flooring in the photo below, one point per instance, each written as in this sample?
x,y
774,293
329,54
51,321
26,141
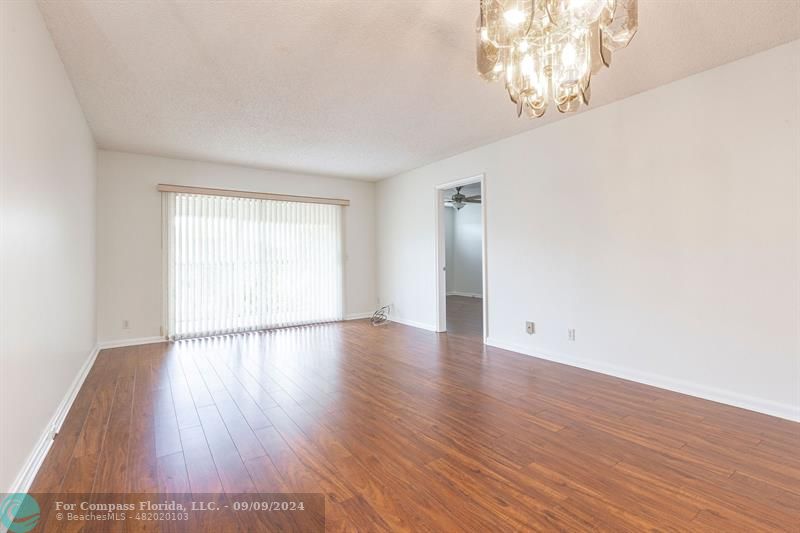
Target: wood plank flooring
x,y
465,317
406,430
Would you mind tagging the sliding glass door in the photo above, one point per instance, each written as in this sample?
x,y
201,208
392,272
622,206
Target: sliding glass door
x,y
243,264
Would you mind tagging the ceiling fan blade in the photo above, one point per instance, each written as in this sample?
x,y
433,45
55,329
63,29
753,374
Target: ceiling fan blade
x,y
472,200
474,197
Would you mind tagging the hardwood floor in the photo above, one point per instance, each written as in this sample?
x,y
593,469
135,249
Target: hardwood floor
x,y
465,317
403,429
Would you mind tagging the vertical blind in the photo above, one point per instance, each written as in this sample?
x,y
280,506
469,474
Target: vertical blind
x,y
242,264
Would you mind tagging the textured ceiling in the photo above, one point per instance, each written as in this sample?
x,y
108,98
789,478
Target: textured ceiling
x,y
362,89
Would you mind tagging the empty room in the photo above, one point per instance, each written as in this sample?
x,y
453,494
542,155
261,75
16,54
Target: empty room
x,y
399,265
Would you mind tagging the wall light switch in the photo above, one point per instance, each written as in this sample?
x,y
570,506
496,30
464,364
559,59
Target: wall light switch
x,y
530,327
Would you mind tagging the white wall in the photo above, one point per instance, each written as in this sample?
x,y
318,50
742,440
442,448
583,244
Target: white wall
x,y
129,233
663,228
47,235
466,252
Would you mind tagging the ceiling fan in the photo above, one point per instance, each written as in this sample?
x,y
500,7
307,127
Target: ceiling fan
x,y
459,200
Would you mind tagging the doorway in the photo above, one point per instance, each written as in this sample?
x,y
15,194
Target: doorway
x,y
461,258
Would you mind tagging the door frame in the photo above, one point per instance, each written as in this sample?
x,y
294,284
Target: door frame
x,y
440,252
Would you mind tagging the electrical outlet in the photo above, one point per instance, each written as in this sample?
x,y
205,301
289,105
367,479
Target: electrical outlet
x,y
530,327
126,324
571,334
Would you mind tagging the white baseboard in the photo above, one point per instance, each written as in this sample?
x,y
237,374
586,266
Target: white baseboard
x,y
412,323
698,390
358,316
28,472
130,342
467,294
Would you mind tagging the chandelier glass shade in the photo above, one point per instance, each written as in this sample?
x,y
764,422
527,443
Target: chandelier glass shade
x,y
547,50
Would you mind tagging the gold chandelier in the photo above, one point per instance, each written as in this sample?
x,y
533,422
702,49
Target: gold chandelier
x,y
549,49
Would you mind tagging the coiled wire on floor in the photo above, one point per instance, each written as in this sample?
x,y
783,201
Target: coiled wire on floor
x,y
381,316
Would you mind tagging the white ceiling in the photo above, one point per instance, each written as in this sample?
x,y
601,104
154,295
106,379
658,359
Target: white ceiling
x,y
362,89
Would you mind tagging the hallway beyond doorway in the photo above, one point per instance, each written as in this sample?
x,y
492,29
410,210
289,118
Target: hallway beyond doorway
x,y
465,317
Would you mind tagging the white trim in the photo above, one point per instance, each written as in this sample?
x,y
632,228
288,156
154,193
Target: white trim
x,y
439,261
439,250
419,325
130,342
34,461
358,316
466,294
735,399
